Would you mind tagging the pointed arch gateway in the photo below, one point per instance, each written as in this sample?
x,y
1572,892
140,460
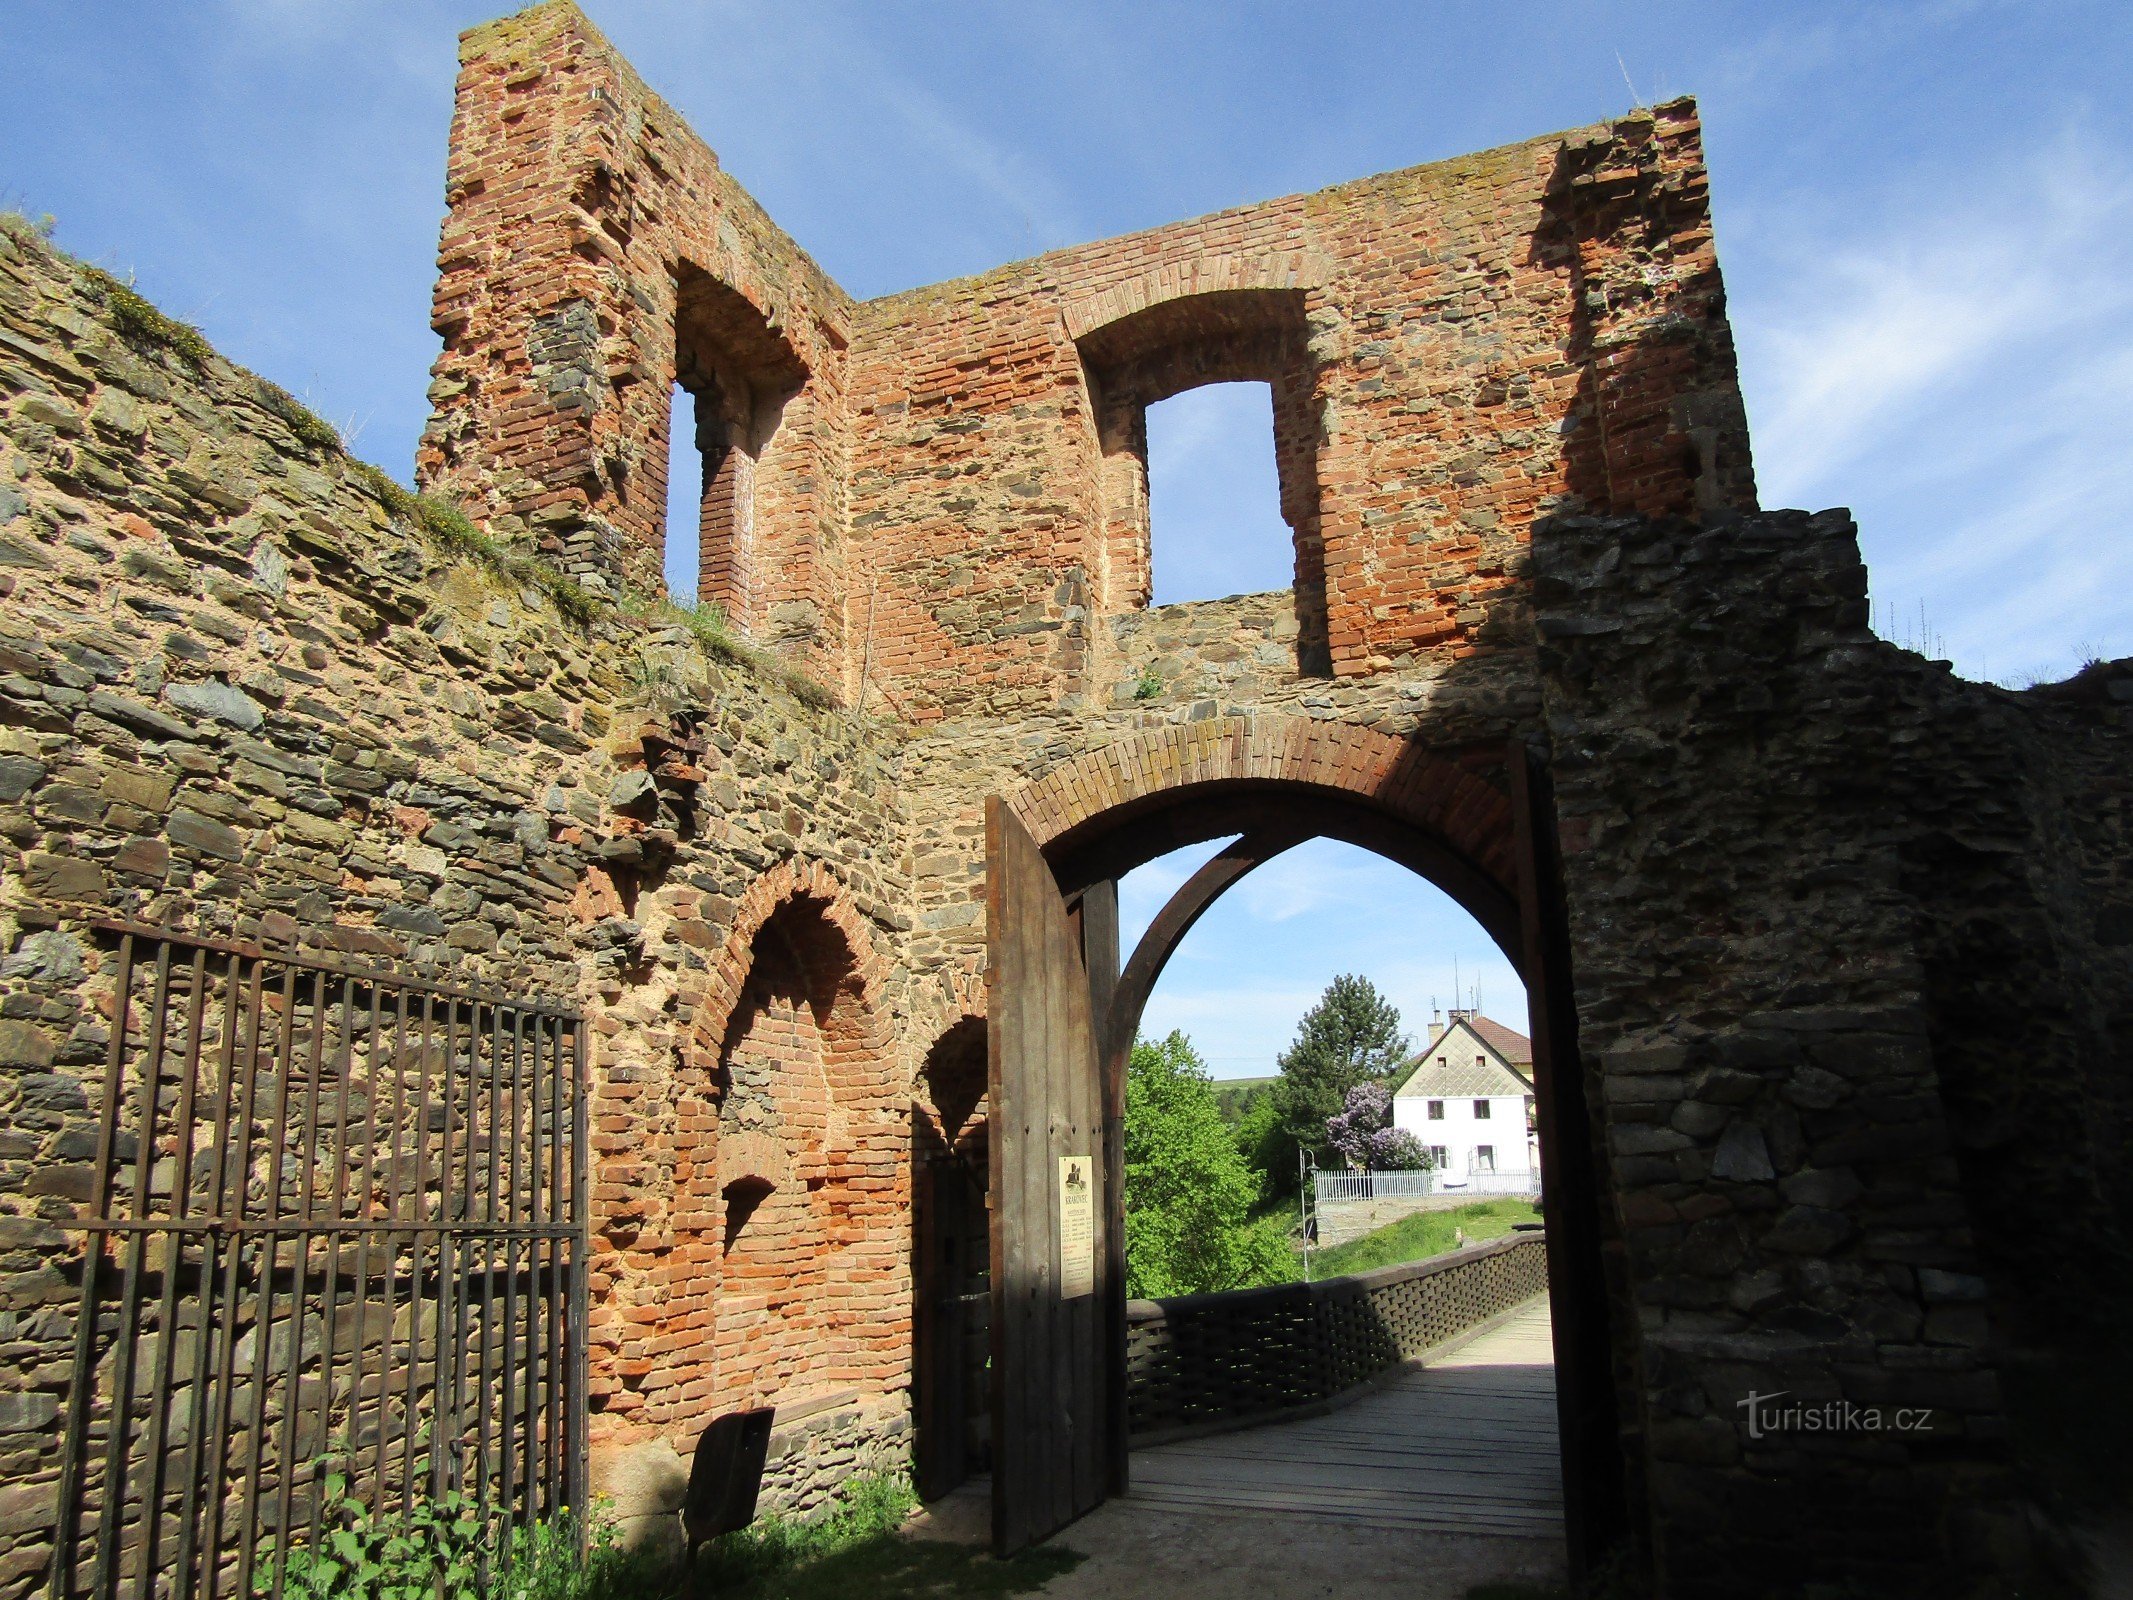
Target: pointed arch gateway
x,y
1477,821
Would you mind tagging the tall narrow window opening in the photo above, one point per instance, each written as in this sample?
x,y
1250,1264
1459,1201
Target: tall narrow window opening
x,y
685,497
1214,496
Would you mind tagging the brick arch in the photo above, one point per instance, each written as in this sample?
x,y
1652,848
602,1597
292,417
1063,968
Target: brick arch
x,y
1441,795
796,879
792,1167
1212,273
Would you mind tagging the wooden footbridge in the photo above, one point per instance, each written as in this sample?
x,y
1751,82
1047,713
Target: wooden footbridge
x,y
1466,1444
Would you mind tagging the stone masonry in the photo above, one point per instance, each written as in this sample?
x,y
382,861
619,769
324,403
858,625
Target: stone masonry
x,y
1851,939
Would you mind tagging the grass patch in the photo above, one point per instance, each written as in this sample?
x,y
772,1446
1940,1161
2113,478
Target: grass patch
x,y
312,430
32,233
857,1550
708,624
1418,1237
142,325
454,535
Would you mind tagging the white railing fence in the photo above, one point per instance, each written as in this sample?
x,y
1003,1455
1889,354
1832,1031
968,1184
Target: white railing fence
x,y
1344,1188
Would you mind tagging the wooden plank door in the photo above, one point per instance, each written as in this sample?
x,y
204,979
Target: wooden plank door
x,y
1050,1189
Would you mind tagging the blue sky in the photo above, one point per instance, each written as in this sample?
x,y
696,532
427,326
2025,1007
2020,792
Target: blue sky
x,y
1925,215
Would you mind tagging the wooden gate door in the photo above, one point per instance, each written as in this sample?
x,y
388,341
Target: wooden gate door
x,y
1049,1186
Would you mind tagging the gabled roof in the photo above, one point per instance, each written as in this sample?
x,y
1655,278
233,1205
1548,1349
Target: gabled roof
x,y
1481,1058
1513,1046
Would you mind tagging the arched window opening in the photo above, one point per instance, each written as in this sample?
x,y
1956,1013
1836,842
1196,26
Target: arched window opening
x,y
685,493
1215,527
734,374
1188,393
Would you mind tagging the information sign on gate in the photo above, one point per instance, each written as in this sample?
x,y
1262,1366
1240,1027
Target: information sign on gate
x,y
1077,1227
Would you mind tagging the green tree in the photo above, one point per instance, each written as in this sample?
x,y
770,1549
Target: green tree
x,y
1189,1192
1267,1148
1351,1036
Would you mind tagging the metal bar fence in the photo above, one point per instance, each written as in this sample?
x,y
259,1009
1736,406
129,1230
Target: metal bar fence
x,y
316,1189
1342,1188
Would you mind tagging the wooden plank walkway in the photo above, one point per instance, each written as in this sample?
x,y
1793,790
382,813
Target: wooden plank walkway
x,y
1464,1445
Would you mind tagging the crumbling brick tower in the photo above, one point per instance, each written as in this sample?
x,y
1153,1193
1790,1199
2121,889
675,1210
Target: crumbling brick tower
x,y
946,490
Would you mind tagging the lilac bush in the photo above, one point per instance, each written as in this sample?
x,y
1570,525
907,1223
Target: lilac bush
x,y
1362,1132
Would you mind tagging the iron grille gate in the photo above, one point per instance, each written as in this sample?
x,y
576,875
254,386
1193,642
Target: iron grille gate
x,y
336,1215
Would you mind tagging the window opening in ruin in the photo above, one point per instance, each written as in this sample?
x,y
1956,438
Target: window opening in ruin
x,y
1214,496
685,493
743,1196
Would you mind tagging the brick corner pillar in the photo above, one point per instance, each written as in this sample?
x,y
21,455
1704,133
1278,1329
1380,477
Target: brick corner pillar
x,y
549,411
1649,320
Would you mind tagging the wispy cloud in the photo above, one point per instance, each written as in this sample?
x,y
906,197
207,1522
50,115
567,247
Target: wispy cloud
x,y
1957,371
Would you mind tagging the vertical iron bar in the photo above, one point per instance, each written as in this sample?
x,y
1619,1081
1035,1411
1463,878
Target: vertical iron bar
x,y
484,1400
396,1129
306,1139
117,1469
445,1469
414,1237
463,1272
80,1397
530,1440
173,1254
196,1435
580,1211
263,1296
418,1214
508,1344
366,1207
230,1204
336,1210
557,1290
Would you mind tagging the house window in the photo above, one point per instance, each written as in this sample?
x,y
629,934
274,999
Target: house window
x,y
1481,1111
1436,1111
1481,1061
1439,1157
1484,1158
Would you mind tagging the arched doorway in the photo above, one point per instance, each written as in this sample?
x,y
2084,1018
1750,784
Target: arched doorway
x,y
1477,822
950,1263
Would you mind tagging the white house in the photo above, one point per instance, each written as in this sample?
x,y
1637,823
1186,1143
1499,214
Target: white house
x,y
1468,1098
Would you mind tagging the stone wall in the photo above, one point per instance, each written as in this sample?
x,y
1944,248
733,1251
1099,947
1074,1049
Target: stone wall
x,y
1802,865
245,694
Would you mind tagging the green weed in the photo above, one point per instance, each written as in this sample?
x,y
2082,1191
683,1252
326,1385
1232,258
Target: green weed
x,y
141,324
311,430
454,535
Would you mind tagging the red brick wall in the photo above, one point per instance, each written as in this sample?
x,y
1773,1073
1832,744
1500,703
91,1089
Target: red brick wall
x,y
757,1210
949,486
586,225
